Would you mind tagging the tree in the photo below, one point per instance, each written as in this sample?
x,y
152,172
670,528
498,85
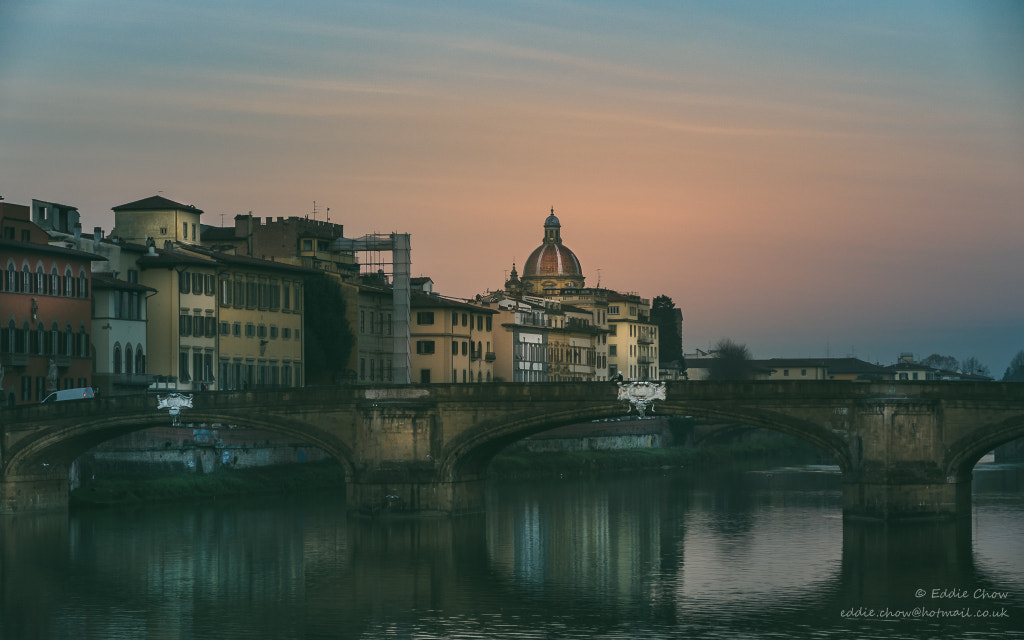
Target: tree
x,y
669,321
731,362
329,339
1015,372
945,363
973,365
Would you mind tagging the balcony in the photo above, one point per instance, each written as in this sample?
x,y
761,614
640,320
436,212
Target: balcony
x,y
489,356
16,359
645,339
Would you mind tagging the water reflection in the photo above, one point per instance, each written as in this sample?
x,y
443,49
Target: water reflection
x,y
659,555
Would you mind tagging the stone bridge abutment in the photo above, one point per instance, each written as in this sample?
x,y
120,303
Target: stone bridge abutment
x,y
905,450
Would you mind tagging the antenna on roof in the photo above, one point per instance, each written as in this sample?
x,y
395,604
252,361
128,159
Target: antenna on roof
x,y
328,214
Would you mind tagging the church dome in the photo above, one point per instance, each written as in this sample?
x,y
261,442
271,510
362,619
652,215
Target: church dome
x,y
552,265
552,260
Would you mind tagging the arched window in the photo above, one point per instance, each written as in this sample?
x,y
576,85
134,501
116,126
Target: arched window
x,y
69,341
117,358
21,338
26,279
54,281
11,278
140,360
7,337
69,283
83,284
83,342
53,344
128,361
41,280
36,348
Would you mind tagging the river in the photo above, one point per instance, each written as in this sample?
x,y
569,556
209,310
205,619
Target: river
x,y
724,554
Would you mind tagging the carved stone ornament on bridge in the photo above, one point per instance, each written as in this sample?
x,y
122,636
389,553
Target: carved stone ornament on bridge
x,y
641,395
174,403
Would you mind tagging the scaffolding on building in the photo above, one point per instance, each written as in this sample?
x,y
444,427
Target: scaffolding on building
x,y
398,269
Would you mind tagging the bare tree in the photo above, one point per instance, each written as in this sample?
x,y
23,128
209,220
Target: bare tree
x,y
1015,372
731,362
974,366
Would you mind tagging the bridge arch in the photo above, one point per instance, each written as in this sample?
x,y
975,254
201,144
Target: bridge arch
x,y
469,455
59,447
963,454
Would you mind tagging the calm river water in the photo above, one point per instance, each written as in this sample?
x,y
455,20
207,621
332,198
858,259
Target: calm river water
x,y
658,555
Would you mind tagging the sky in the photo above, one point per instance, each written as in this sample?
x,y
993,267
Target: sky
x,y
806,178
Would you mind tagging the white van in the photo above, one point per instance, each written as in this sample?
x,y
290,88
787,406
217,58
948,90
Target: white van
x,y
69,394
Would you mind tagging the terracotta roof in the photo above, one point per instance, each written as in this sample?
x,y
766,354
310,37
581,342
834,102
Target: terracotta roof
x,y
49,249
155,203
100,281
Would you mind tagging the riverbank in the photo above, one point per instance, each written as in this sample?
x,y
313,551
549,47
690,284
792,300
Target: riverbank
x,y
517,464
222,483
511,464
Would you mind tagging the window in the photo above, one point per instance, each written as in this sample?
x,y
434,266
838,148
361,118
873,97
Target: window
x,y
287,295
424,346
183,366
211,327
261,331
197,364
286,333
225,292
236,329
210,287
133,275
250,330
465,319
83,284
425,317
184,323
128,360
140,360
613,310
225,328
117,358
424,376
184,282
184,231
489,326
785,373
465,348
69,283
197,283
239,297
613,350
455,347
273,332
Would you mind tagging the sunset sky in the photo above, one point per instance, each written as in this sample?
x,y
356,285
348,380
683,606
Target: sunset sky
x,y
807,178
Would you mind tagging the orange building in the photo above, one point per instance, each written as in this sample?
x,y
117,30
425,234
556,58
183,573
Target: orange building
x,y
45,311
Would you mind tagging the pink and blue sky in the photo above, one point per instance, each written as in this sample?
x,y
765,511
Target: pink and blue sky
x,y
808,178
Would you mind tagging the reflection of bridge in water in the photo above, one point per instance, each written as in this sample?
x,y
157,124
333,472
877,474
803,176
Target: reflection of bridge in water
x,y
905,450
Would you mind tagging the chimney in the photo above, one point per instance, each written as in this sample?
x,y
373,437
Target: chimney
x,y
97,234
78,231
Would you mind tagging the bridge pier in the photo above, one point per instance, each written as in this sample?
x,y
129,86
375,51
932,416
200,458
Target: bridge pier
x,y
44,492
907,500
380,493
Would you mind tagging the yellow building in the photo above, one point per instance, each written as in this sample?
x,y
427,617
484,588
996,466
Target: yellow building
x,y
156,219
451,341
217,320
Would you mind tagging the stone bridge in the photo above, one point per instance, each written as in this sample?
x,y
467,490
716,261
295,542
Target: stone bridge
x,y
905,449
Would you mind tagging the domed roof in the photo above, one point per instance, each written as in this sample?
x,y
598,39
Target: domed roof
x,y
552,259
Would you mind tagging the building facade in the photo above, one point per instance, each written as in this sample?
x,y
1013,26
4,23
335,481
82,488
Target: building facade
x,y
45,311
